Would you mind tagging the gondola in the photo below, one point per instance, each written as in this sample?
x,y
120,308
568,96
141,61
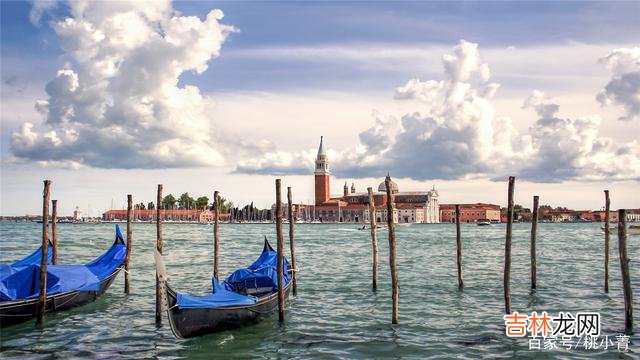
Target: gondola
x,y
246,296
34,258
68,286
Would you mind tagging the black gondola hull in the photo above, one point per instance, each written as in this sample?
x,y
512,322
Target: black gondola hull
x,y
187,323
19,311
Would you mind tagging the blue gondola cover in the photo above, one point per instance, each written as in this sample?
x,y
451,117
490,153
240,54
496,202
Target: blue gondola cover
x,y
261,274
24,282
34,258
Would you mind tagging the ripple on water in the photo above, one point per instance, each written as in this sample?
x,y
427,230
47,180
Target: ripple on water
x,y
336,314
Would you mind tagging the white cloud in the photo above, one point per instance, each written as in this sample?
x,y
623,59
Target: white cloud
x,y
572,148
38,9
455,133
624,87
120,99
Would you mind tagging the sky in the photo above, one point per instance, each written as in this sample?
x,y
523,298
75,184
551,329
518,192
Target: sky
x,y
111,98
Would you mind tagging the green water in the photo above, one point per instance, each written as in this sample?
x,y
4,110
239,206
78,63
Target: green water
x,y
335,315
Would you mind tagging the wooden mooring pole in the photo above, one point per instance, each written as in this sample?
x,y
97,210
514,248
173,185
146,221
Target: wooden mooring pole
x,y
54,231
42,295
507,248
292,247
216,239
279,267
127,259
374,238
624,269
459,249
534,229
159,247
392,252
607,240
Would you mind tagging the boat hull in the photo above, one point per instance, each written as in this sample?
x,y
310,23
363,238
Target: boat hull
x,y
187,323
19,311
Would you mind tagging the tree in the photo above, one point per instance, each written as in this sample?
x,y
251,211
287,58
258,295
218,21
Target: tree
x,y
226,205
151,206
168,202
202,202
141,206
545,208
186,202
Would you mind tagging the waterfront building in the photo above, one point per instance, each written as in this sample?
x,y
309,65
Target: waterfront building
x,y
470,213
77,214
202,216
353,206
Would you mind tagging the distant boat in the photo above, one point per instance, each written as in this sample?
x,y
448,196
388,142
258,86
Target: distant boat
x,y
483,222
378,227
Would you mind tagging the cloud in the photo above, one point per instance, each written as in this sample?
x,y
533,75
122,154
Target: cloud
x,y
571,148
117,103
624,87
16,83
39,8
451,131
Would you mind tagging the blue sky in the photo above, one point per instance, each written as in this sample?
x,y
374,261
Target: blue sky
x,y
311,68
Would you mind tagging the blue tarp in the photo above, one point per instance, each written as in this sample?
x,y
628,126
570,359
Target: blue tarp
x,y
220,297
24,283
34,258
262,274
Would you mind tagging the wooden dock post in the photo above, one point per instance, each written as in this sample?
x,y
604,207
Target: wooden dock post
x,y
507,248
534,229
127,259
54,231
374,238
624,269
607,240
216,239
292,247
280,247
42,295
459,249
392,252
159,247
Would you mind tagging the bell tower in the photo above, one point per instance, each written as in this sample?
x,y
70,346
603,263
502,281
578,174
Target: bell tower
x,y
322,175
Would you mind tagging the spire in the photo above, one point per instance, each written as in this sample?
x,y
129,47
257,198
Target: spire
x,y
321,149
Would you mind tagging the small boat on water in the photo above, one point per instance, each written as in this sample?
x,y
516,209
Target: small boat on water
x,y
247,295
68,286
483,222
378,227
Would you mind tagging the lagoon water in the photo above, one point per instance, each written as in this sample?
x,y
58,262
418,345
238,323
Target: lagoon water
x,y
335,315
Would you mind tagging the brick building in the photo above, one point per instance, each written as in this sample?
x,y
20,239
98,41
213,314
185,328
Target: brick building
x,y
470,213
202,216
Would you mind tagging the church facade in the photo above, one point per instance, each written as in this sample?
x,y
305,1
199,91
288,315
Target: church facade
x,y
353,206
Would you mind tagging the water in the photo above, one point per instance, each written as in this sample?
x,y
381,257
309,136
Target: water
x,y
335,315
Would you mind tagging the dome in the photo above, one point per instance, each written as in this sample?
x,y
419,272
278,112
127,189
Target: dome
x,y
383,187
